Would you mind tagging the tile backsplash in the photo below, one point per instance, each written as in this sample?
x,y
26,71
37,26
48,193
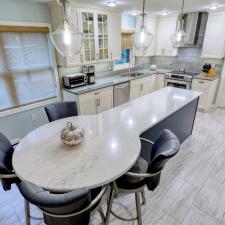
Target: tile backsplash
x,y
189,58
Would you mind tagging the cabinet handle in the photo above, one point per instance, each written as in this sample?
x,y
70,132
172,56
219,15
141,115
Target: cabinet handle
x,y
97,93
111,55
201,82
96,102
99,102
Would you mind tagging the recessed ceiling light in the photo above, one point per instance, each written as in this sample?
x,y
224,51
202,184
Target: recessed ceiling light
x,y
164,13
213,7
112,3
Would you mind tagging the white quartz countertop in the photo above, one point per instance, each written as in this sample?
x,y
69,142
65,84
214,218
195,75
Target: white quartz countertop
x,y
110,149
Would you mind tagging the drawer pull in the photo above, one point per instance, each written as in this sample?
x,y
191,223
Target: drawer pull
x,y
201,82
97,93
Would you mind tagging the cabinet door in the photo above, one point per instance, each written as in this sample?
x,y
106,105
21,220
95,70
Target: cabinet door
x,y
214,41
135,91
114,32
88,105
160,81
102,37
145,86
203,87
153,83
165,28
104,102
151,26
89,28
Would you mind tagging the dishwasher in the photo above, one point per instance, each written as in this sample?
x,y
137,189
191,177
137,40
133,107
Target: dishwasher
x,y
121,93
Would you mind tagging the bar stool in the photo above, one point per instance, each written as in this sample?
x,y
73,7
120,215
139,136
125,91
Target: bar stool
x,y
69,208
61,110
143,174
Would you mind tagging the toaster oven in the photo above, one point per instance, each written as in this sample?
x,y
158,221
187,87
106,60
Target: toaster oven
x,y
74,80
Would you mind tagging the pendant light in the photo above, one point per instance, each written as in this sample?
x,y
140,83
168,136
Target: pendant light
x,y
142,39
67,40
179,38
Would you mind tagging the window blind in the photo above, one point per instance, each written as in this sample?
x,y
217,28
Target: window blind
x,y
26,69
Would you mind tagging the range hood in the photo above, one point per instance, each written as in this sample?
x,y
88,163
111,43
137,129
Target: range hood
x,y
195,26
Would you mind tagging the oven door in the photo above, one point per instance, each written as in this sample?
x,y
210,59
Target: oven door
x,y
177,84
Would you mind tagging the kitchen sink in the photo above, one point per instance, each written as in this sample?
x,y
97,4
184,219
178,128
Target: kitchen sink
x,y
133,74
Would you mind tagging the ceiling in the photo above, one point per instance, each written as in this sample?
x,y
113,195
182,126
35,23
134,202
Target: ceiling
x,y
154,6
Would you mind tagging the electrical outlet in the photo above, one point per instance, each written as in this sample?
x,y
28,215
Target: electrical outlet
x,y
33,117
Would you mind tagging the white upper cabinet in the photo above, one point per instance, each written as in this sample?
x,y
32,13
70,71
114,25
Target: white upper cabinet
x,y
102,35
151,26
166,26
114,32
214,42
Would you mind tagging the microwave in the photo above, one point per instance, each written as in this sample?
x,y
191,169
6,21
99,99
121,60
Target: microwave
x,y
74,80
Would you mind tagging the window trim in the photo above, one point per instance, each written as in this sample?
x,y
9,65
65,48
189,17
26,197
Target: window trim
x,y
41,103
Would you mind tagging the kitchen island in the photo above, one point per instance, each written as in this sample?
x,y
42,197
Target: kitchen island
x,y
111,145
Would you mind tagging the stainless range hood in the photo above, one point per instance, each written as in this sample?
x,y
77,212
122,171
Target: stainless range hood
x,y
195,26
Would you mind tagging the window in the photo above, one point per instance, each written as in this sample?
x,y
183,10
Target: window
x,y
26,68
126,61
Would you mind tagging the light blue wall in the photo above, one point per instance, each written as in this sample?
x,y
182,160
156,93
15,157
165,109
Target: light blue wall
x,y
24,11
128,21
18,125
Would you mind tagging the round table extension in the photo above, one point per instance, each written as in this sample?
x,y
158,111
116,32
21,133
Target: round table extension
x,y
106,154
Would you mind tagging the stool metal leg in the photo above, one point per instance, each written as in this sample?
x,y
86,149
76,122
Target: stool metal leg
x,y
111,197
27,212
102,215
138,207
143,197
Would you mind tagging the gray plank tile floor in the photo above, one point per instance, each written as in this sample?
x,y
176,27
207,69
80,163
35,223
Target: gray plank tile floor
x,y
191,192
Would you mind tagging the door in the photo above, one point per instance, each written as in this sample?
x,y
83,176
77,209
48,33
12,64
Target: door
x,y
88,105
135,91
114,31
104,102
214,41
165,28
160,81
152,83
89,28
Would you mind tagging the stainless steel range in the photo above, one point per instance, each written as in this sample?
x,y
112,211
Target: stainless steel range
x,y
179,79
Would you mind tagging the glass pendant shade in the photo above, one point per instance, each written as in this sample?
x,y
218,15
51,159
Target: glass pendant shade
x,y
142,39
67,40
179,38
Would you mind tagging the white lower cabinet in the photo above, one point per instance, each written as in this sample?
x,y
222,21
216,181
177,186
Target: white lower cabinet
x,y
98,101
208,90
146,85
160,83
139,87
93,102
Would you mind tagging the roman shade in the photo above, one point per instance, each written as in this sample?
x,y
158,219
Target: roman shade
x,y
127,42
26,66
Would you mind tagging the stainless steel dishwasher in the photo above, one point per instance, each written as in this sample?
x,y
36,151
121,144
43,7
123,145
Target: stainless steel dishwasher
x,y
121,93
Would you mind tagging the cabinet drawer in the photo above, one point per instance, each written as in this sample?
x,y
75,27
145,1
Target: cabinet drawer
x,y
140,80
201,83
96,93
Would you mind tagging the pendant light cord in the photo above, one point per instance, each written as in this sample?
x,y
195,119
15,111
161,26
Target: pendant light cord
x,y
143,13
183,7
